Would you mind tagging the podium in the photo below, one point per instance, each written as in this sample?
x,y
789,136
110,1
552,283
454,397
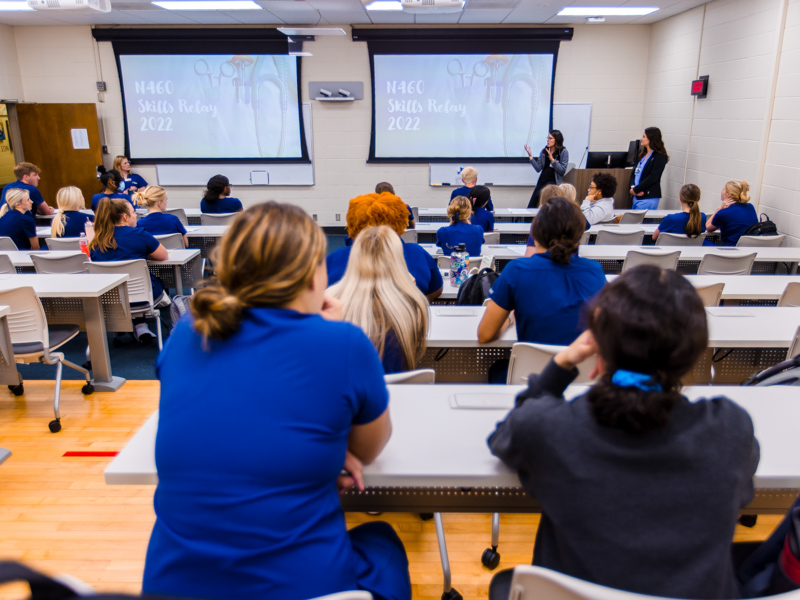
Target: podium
x,y
581,178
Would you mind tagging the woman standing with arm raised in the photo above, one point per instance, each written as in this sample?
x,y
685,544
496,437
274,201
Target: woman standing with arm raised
x,y
551,163
646,177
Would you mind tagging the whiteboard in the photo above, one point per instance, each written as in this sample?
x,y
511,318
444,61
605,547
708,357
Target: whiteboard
x,y
573,120
246,173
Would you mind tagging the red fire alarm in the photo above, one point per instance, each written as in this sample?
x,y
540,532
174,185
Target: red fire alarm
x,y
700,87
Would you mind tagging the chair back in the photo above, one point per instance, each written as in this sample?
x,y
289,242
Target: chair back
x,y
27,323
585,237
140,288
6,266
63,243
180,213
45,263
679,239
632,217
410,235
668,260
217,218
171,241
415,213
794,348
711,294
492,237
717,264
791,295
418,376
619,238
6,243
761,241
527,358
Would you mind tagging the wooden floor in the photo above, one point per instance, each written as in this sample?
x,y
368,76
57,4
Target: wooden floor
x,y
59,516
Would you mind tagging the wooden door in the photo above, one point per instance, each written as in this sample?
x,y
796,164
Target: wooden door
x,y
46,131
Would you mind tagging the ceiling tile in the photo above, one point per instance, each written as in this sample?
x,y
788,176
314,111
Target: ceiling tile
x,y
484,16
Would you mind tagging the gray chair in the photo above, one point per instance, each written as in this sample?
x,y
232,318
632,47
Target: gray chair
x,y
410,235
794,348
418,376
632,217
791,295
171,241
415,214
217,218
6,266
180,213
679,239
527,358
619,238
63,243
45,263
665,260
711,294
6,243
492,237
585,237
718,264
761,241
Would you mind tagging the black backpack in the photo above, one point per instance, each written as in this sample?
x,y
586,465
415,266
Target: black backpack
x,y
476,289
763,227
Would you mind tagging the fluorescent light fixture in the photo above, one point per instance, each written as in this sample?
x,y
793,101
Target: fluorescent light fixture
x,y
606,11
208,5
13,6
312,31
384,5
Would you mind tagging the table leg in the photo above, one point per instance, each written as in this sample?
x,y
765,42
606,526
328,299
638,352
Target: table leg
x,y
794,268
103,380
178,280
8,371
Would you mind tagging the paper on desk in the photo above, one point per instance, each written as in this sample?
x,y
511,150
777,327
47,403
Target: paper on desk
x,y
727,312
482,401
457,312
188,229
518,211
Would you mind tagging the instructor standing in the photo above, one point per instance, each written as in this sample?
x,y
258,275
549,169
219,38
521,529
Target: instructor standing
x,y
646,177
551,163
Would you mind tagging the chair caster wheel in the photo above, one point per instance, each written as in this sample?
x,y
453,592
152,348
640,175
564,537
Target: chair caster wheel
x,y
87,365
18,390
490,558
426,516
748,520
452,594
55,425
87,389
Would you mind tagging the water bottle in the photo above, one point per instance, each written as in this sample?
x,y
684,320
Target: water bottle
x,y
84,244
459,265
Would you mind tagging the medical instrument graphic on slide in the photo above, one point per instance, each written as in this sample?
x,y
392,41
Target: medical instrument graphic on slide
x,y
269,72
514,76
226,69
234,69
479,69
494,87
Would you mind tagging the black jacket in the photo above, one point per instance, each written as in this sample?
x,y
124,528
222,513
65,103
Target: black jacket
x,y
650,181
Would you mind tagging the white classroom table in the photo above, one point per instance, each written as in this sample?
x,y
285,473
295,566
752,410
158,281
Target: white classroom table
x,y
529,213
525,228
447,449
88,301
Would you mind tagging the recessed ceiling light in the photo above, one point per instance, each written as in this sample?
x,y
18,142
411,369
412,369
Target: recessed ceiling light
x,y
208,5
13,6
384,5
606,11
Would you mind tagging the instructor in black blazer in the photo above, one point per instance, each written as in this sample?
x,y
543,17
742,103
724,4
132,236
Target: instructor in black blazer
x,y
646,177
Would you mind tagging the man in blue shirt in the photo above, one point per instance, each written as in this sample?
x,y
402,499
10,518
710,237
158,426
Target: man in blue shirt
x,y
27,175
469,177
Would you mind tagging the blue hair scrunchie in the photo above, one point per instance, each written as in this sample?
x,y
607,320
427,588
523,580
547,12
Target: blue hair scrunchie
x,y
642,381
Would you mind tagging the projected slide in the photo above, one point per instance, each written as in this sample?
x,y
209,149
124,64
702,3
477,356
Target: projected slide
x,y
461,105
211,106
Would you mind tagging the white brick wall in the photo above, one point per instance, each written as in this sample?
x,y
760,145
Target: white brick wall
x,y
10,80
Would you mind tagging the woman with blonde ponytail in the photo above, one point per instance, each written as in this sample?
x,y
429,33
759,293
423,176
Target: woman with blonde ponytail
x,y
70,222
290,395
460,230
16,222
735,214
379,295
157,222
690,221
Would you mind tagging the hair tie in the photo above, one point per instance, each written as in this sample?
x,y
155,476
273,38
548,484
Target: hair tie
x,y
641,381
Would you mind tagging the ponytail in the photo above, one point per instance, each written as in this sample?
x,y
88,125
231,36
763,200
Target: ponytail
x,y
67,198
215,188
149,196
737,190
690,196
109,213
460,209
58,224
629,408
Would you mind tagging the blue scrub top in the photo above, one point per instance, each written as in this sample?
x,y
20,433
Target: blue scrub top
x,y
132,243
133,180
75,223
158,223
223,205
420,264
248,451
734,221
97,197
464,191
676,223
19,226
33,192
484,218
450,236
547,297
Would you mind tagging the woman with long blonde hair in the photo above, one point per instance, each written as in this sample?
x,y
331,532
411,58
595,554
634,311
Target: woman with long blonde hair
x,y
70,222
158,222
379,295
735,214
130,181
16,222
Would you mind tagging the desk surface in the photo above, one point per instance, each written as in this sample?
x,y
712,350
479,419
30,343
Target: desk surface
x,y
448,447
524,228
206,230
22,258
523,212
63,286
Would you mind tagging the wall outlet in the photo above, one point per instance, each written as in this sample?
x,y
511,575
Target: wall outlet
x,y
101,86
105,149
315,217
338,216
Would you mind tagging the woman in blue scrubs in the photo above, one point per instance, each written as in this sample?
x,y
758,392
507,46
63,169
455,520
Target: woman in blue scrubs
x,y
158,222
735,214
130,181
111,181
216,199
460,230
70,222
16,221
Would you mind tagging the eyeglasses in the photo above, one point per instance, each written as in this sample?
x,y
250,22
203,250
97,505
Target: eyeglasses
x,y
592,186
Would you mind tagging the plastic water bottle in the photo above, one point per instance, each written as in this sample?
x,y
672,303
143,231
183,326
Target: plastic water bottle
x,y
84,244
459,265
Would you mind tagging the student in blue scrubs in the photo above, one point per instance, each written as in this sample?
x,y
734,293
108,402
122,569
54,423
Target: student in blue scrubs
x,y
111,181
385,186
479,196
546,292
70,222
16,221
158,222
250,448
27,175
460,230
690,221
469,177
130,181
645,186
216,199
735,214
386,209
116,237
